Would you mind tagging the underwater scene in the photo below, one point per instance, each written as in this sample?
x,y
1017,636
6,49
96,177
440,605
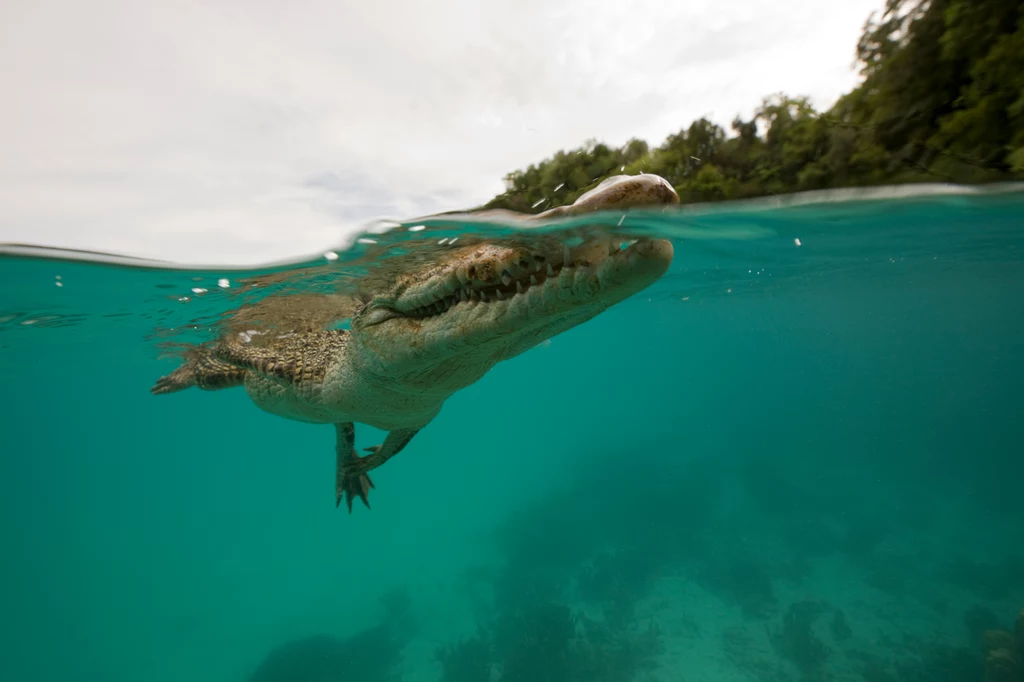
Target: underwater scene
x,y
789,450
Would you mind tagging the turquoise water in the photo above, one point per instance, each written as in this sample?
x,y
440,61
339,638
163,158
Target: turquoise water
x,y
783,461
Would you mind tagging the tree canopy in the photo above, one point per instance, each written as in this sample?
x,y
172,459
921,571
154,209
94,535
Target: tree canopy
x,y
941,98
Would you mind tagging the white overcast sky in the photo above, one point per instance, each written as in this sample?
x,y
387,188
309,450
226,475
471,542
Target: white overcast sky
x,y
221,131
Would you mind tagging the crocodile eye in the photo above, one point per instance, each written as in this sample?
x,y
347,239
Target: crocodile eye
x,y
376,315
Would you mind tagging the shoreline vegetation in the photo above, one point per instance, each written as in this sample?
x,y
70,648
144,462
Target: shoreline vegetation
x,y
941,100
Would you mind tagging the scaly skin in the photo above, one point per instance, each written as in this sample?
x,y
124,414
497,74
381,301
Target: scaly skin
x,y
420,334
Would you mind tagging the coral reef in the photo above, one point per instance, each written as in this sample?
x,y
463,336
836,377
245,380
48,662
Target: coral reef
x,y
743,580
740,650
551,643
875,670
796,641
615,576
527,579
994,640
616,580
467,661
1019,630
940,663
535,644
918,660
369,656
979,620
611,654
1003,652
1003,665
840,628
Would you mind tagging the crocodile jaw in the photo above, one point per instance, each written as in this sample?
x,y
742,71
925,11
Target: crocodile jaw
x,y
444,328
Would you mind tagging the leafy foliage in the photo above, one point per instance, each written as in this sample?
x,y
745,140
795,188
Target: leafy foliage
x,y
941,99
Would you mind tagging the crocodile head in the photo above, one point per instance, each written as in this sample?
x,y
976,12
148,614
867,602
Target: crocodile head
x,y
442,325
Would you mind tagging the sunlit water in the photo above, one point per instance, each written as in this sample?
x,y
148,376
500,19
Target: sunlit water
x,y
798,455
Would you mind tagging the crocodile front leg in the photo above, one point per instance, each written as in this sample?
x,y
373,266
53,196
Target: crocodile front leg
x,y
345,452
352,471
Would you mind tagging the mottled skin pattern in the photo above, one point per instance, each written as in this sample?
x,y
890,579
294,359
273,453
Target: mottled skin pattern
x,y
423,333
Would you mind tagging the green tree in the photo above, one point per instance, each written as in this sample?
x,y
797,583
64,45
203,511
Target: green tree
x,y
941,97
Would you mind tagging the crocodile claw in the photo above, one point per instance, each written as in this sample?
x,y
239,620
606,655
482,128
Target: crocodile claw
x,y
353,484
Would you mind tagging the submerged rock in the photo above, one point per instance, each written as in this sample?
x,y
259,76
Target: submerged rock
x,y
369,656
1003,665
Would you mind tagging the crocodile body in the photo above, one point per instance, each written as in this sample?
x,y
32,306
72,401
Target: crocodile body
x,y
425,332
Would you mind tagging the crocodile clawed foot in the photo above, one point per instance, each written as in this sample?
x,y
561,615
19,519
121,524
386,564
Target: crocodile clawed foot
x,y
354,479
351,486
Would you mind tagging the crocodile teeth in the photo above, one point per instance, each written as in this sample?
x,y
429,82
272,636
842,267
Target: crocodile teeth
x,y
463,296
506,278
533,280
519,287
483,296
500,296
551,270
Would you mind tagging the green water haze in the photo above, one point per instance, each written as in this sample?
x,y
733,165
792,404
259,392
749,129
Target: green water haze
x,y
797,456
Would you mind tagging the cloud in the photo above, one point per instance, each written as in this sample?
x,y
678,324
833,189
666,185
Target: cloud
x,y
242,132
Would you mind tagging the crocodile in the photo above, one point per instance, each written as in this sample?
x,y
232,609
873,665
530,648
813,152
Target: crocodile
x,y
431,328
